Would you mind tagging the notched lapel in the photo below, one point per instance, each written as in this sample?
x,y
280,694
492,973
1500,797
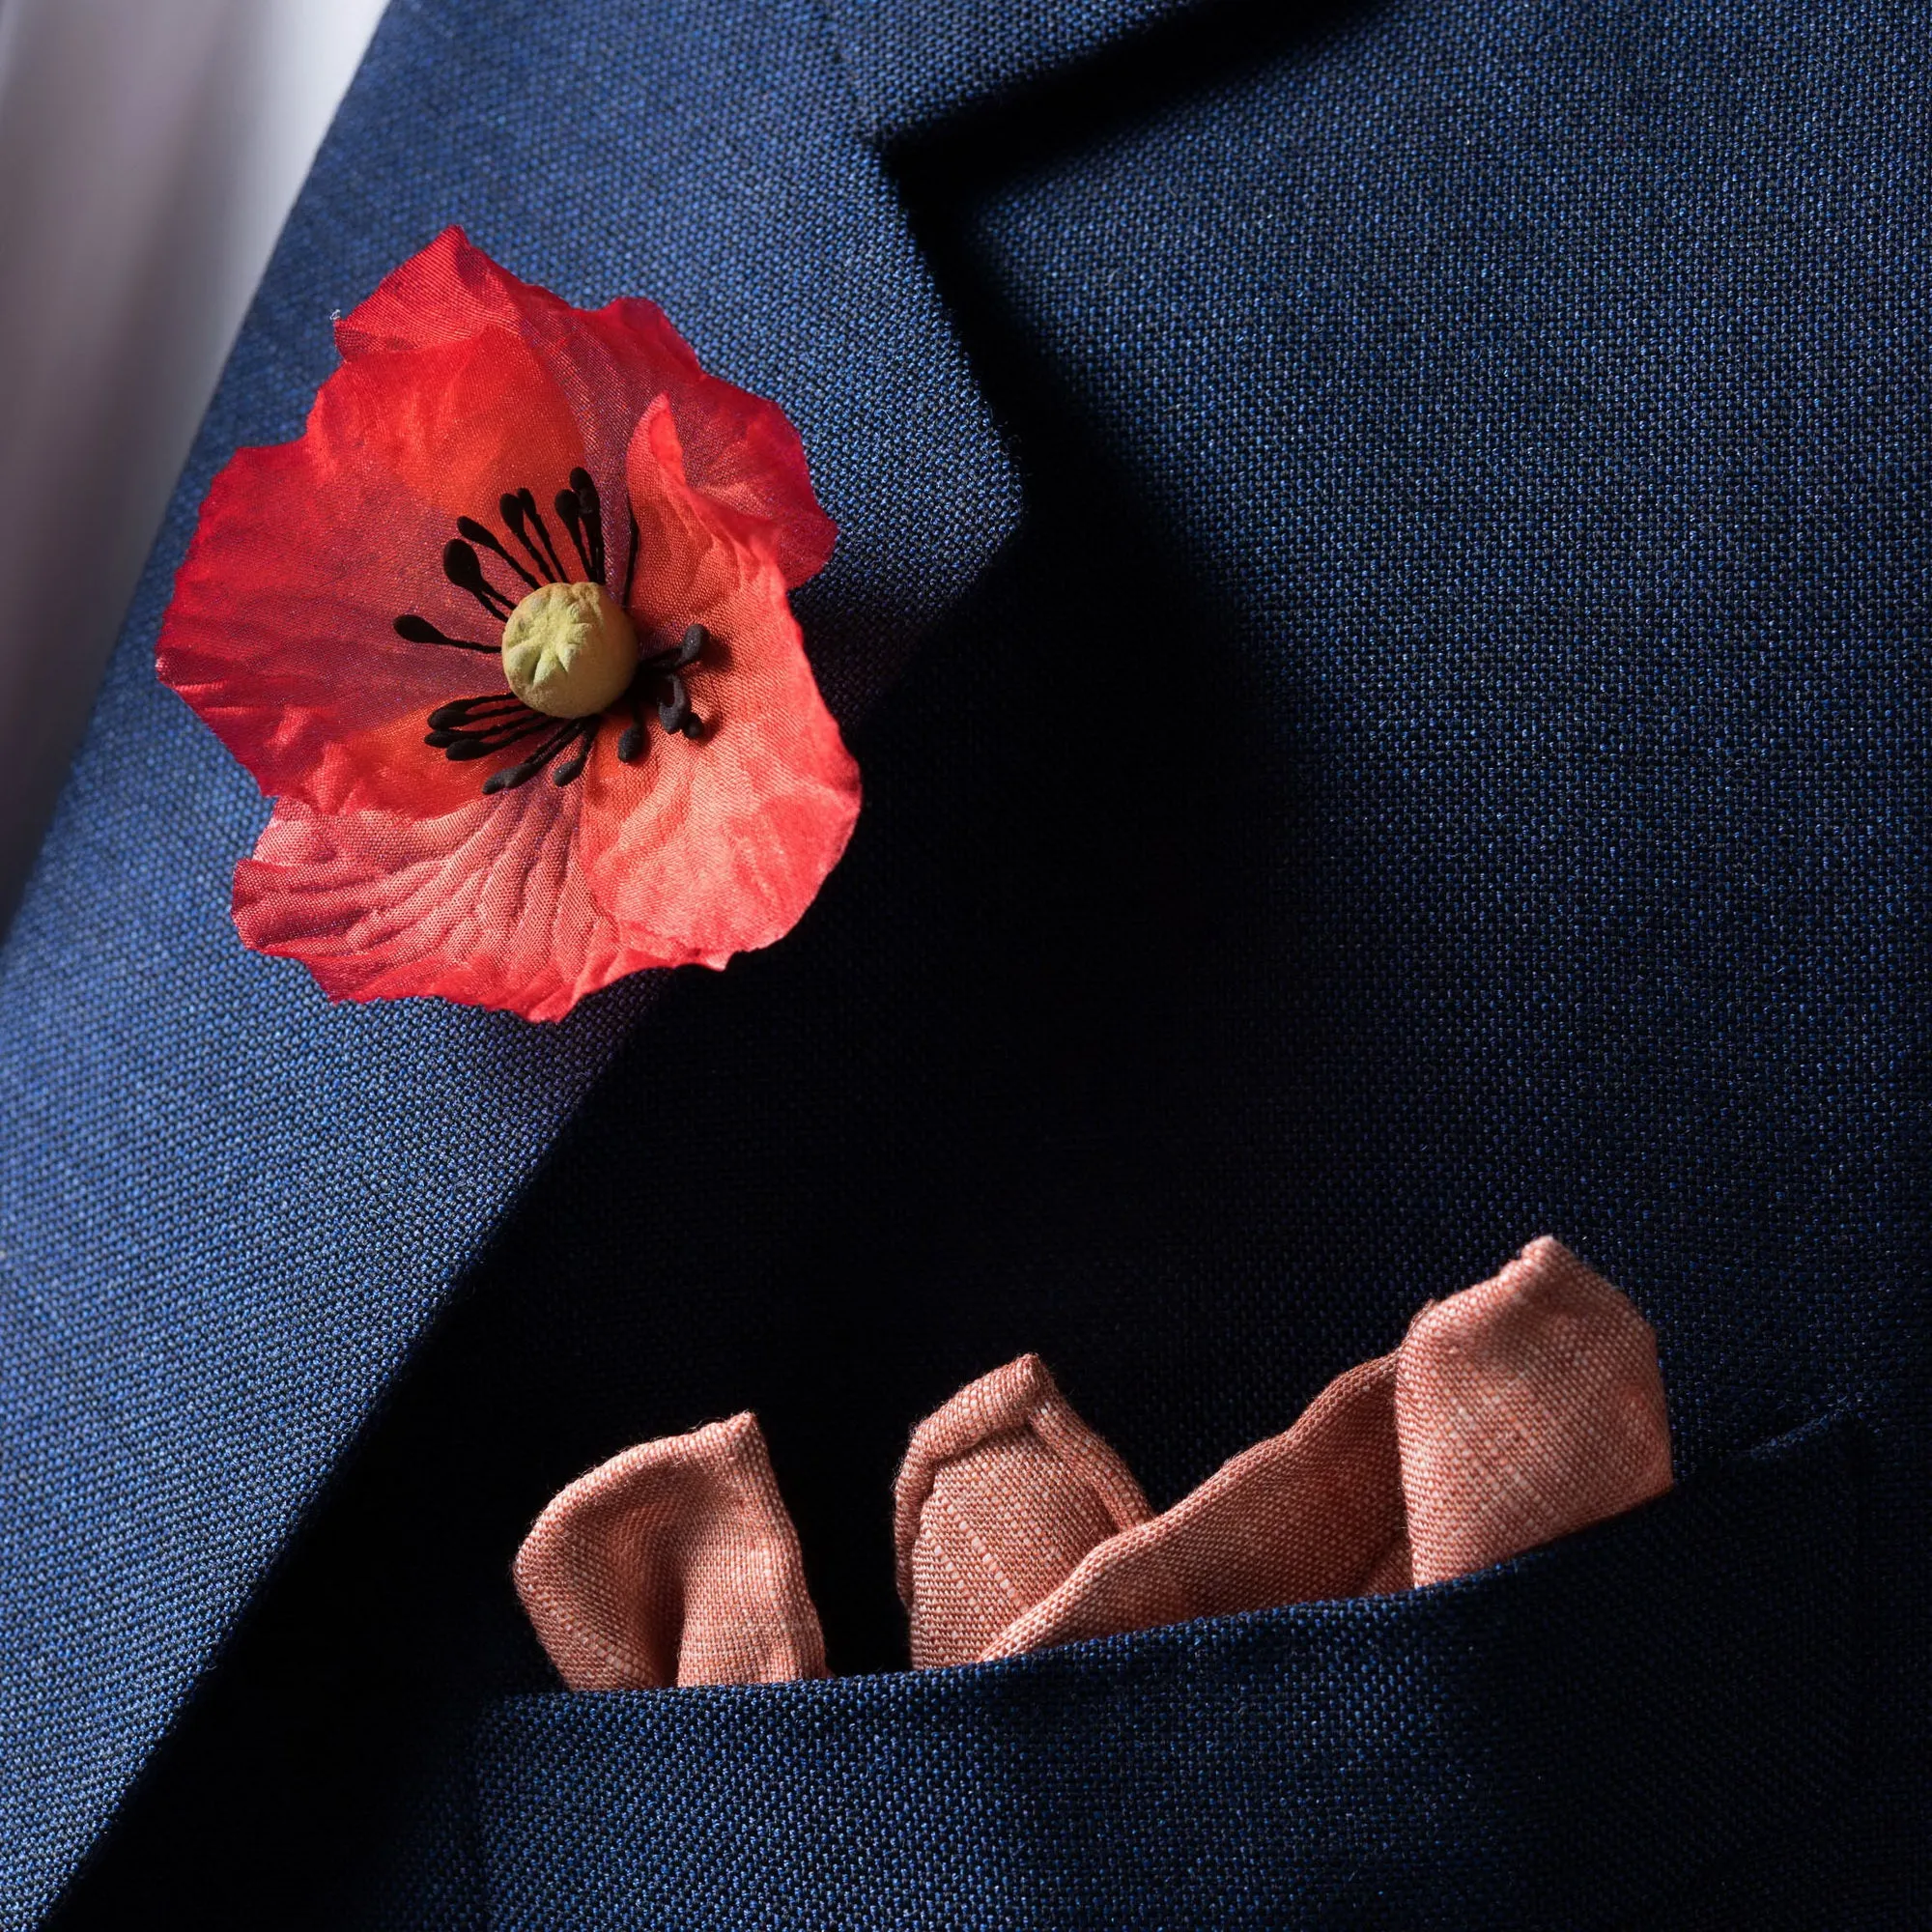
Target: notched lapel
x,y
916,64
228,1212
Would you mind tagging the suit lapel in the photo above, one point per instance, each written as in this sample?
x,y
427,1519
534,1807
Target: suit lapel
x,y
228,1210
914,67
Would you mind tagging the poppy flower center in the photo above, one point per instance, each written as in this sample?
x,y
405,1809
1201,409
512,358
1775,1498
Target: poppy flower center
x,y
569,650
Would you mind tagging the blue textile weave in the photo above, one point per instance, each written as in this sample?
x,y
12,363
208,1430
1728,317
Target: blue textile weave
x,y
1412,515
227,1212
1519,1749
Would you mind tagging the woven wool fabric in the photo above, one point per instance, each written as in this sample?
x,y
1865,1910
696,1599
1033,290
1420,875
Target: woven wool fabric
x,y
1399,528
264,1201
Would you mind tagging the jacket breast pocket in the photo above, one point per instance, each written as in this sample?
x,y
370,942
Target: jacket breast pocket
x,y
1557,1742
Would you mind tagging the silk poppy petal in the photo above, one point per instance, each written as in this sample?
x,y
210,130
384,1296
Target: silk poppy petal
x,y
282,629
717,846
613,363
487,906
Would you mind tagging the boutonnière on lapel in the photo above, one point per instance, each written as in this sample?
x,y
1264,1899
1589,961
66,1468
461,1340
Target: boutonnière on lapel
x,y
507,636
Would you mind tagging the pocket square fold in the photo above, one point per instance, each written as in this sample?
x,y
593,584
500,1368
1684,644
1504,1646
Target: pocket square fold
x,y
1515,1413
1003,1491
1527,1407
1314,1513
674,1563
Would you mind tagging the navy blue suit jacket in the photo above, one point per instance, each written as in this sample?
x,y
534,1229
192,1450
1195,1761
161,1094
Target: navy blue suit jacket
x,y
1383,604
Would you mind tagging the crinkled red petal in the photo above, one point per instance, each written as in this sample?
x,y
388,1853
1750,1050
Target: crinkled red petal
x,y
485,906
281,634
717,846
611,364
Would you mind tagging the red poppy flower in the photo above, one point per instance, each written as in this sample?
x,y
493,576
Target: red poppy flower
x,y
641,774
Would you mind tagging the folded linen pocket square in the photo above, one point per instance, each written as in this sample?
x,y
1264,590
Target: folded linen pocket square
x,y
674,1563
1515,1413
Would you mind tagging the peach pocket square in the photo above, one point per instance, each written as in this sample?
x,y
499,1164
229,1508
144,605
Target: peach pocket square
x,y
1515,1413
674,1563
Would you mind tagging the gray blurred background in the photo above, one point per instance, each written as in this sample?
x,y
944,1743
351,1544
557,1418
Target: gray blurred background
x,y
149,152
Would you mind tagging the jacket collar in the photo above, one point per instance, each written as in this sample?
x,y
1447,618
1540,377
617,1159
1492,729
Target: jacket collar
x,y
227,1210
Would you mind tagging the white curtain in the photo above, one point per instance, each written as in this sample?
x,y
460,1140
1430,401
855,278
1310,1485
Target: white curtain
x,y
149,152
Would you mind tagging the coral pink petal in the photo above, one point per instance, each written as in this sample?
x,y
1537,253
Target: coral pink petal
x,y
1002,1493
1314,1513
741,452
484,905
704,849
1527,1407
282,629
446,292
613,362
280,634
459,424
674,1563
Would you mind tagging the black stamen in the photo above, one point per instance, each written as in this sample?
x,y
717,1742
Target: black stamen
x,y
465,569
535,514
573,768
521,512
512,776
674,710
590,507
686,651
573,520
417,630
460,723
511,505
471,745
631,746
631,568
693,728
480,533
460,708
